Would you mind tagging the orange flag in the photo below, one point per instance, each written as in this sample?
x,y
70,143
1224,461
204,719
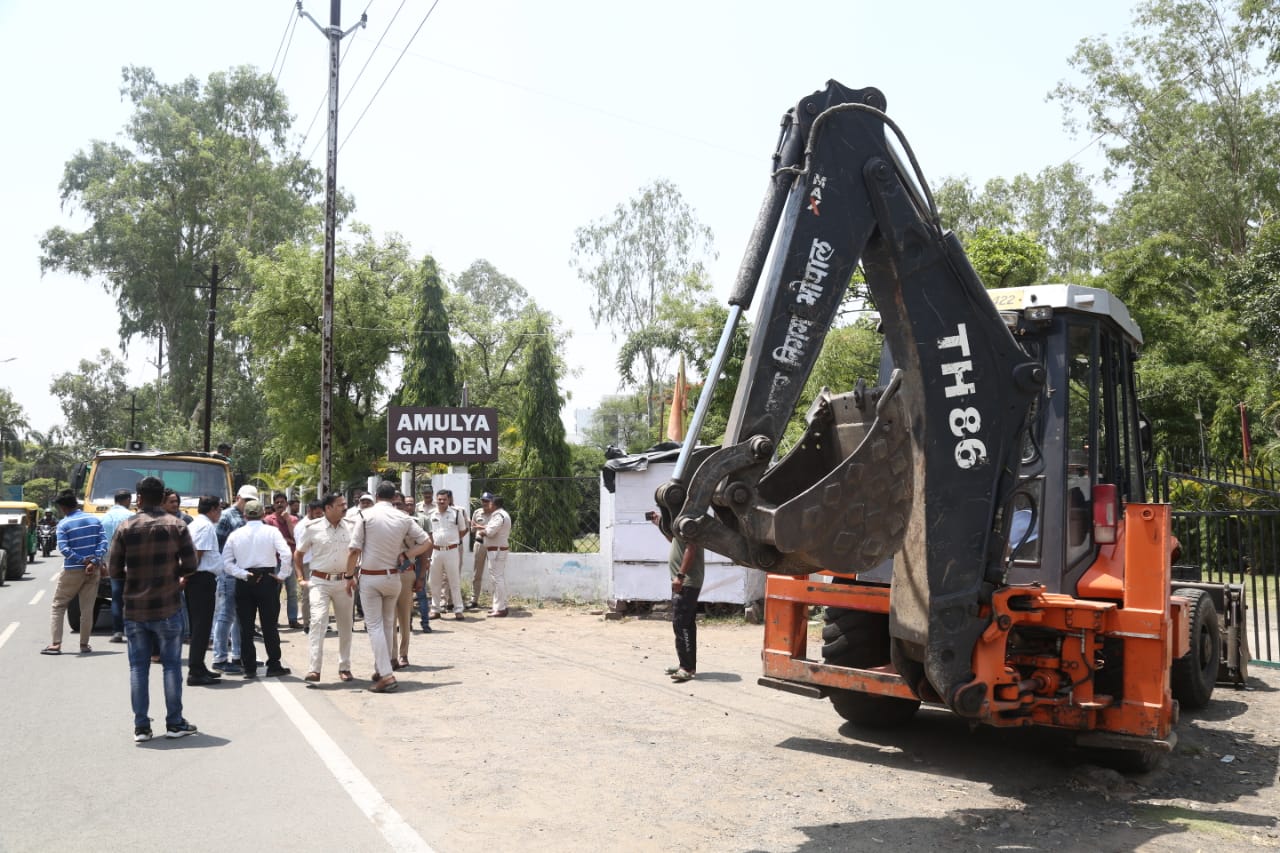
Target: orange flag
x,y
679,395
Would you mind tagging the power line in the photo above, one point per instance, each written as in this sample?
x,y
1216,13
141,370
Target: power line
x,y
324,100
369,59
389,73
292,20
276,72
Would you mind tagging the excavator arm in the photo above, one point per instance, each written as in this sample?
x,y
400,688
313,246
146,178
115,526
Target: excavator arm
x,y
921,468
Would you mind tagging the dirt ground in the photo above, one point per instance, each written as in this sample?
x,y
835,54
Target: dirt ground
x,y
556,729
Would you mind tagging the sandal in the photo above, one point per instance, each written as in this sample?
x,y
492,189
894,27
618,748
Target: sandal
x,y
345,674
385,685
404,661
85,649
51,650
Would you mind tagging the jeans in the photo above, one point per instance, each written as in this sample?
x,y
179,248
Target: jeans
x,y
291,598
226,627
117,606
424,608
166,636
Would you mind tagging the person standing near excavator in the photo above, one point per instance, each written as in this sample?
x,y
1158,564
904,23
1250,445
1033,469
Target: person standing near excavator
x,y
687,563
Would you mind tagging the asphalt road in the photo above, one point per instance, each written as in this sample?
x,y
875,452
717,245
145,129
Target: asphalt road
x,y
263,773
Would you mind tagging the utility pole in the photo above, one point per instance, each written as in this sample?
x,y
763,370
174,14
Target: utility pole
x,y
335,35
208,362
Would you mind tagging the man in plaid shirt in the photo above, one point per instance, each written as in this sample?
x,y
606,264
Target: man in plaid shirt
x,y
154,555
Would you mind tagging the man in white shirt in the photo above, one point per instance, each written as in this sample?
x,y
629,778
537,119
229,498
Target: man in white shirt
x,y
326,541
445,525
497,537
259,558
202,588
379,537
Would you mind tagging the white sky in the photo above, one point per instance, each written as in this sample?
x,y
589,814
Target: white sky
x,y
507,124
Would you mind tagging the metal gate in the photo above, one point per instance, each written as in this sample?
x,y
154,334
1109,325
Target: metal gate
x,y
1227,519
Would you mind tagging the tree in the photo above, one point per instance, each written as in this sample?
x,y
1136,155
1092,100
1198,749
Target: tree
x,y
652,247
1056,209
49,457
204,173
13,423
494,319
430,368
1182,108
1007,260
619,421
1194,357
546,509
372,309
95,402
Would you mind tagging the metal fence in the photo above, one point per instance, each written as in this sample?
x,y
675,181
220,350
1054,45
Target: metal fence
x,y
549,514
1227,520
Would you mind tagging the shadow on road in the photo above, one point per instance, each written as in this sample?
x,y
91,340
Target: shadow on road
x,y
1063,800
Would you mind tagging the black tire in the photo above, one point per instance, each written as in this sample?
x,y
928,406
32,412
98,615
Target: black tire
x,y
1127,761
14,542
1195,673
859,639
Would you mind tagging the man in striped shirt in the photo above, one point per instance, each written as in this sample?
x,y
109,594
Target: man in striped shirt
x,y
83,545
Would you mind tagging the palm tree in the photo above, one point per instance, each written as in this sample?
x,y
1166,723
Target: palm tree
x,y
13,422
48,455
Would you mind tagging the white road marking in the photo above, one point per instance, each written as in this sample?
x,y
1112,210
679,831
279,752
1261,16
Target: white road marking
x,y
36,598
399,834
7,633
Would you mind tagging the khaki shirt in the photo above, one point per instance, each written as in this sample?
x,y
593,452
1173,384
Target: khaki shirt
x,y
446,527
381,535
498,530
327,545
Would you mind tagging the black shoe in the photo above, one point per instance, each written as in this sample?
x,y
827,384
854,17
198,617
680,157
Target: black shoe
x,y
426,629
277,671
250,672
201,680
229,668
473,605
141,734
181,729
297,626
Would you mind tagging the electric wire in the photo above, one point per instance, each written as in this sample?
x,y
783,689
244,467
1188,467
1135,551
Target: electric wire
x,y
290,25
389,73
324,100
369,59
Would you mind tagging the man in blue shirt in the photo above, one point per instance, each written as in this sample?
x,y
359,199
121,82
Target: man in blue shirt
x,y
118,513
83,546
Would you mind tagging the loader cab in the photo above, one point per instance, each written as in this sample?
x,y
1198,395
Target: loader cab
x,y
1081,455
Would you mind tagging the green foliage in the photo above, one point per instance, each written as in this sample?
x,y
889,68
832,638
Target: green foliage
x,y
13,423
1181,107
431,368
1056,209
42,490
494,318
1194,354
373,288
205,173
546,507
651,248
1007,260
95,402
850,353
620,421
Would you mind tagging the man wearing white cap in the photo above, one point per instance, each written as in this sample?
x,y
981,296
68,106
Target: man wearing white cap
x,y
226,627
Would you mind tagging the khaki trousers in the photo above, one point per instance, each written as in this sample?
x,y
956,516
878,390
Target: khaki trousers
x,y
321,594
80,584
404,610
